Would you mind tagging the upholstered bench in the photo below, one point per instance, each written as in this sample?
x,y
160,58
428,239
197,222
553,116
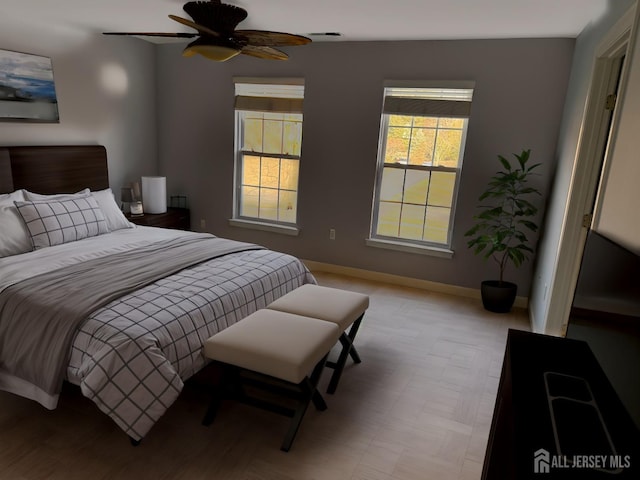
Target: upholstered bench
x,y
273,351
333,305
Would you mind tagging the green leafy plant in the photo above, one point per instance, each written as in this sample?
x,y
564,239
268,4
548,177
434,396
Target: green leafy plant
x,y
500,227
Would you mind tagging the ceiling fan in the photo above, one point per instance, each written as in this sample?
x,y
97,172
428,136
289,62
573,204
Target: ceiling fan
x,y
217,38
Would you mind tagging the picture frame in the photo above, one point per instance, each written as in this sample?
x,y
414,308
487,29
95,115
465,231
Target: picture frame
x,y
27,88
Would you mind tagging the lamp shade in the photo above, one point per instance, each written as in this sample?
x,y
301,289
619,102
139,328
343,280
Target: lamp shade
x,y
154,194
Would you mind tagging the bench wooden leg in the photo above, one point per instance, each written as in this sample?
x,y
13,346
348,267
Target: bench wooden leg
x,y
228,380
347,350
309,390
352,351
298,415
318,401
231,386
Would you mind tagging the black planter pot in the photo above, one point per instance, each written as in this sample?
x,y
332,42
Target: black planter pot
x,y
498,297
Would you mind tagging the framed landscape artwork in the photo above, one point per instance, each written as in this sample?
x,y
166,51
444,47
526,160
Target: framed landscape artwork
x,y
27,91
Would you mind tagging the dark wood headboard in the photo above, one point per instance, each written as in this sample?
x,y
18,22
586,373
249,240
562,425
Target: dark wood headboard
x,y
53,169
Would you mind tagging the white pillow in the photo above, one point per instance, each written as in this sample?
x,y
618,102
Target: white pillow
x,y
55,222
37,197
112,213
14,236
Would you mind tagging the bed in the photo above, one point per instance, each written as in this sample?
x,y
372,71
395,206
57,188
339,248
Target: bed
x,y
121,311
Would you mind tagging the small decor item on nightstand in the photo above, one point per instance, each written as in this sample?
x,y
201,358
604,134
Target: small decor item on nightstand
x,y
126,197
178,201
136,209
130,200
154,194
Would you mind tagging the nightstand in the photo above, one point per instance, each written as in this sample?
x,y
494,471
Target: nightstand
x,y
176,218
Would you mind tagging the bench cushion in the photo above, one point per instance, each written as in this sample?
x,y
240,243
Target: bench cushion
x,y
341,307
279,344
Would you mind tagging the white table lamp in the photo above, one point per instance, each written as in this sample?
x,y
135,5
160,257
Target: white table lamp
x,y
154,194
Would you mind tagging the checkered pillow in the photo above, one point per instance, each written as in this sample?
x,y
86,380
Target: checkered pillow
x,y
54,222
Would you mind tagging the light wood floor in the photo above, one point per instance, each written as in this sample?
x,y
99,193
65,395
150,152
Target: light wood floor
x,y
418,407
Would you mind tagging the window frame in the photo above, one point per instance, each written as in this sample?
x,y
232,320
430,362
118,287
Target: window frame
x,y
239,220
408,244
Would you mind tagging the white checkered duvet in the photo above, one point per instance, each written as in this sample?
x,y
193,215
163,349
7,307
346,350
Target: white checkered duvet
x,y
132,356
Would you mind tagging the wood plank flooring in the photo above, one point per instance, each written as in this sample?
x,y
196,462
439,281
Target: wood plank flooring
x,y
418,407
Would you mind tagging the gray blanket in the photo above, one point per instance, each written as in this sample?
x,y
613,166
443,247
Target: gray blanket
x,y
39,316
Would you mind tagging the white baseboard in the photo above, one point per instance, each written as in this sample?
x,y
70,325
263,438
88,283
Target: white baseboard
x,y
314,266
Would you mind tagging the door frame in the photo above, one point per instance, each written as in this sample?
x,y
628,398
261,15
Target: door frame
x,y
596,134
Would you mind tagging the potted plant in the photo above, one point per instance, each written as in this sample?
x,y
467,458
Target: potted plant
x,y
501,226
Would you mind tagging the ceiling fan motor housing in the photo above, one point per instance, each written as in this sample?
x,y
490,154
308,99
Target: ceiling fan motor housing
x,y
215,15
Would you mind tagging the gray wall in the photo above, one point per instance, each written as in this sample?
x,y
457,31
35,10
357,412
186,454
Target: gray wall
x,y
520,91
106,94
574,109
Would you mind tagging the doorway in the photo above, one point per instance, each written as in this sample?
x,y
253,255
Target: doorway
x,y
598,133
604,309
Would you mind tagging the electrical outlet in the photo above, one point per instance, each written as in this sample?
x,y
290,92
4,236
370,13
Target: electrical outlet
x,y
332,234
203,224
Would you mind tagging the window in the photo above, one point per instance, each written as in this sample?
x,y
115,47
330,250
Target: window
x,y
422,137
268,143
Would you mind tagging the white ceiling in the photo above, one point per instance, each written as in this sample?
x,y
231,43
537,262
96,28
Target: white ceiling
x,y
355,19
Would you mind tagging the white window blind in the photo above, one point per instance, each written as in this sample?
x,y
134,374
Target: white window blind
x,y
269,97
427,102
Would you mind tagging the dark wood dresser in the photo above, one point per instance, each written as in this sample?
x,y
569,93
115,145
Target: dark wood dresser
x,y
557,415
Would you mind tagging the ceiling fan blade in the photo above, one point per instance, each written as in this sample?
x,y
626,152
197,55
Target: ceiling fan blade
x,y
267,53
269,39
154,34
200,28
